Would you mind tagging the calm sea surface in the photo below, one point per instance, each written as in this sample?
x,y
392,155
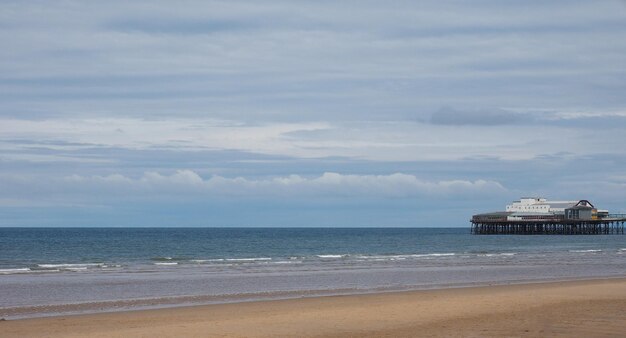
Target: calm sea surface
x,y
50,271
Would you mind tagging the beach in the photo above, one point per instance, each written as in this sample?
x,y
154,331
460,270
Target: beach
x,y
312,169
585,308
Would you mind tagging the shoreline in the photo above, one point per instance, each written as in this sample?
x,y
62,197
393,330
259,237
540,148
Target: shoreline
x,y
174,302
526,309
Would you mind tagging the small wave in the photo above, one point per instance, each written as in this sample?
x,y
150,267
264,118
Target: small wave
x,y
489,253
330,256
159,259
76,269
14,271
418,255
222,260
403,257
505,254
166,263
286,262
248,259
581,251
69,265
435,254
382,257
200,261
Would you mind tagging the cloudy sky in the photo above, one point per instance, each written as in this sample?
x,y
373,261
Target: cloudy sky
x,y
306,113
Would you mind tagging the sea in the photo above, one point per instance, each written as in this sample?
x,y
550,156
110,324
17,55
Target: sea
x,y
52,271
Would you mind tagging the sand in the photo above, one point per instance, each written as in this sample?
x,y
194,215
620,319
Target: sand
x,y
595,308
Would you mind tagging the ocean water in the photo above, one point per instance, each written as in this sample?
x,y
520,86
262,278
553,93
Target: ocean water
x,y
48,271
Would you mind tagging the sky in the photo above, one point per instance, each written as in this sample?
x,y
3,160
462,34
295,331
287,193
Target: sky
x,y
307,113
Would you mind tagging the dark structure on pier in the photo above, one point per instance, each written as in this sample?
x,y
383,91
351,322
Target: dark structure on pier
x,y
537,216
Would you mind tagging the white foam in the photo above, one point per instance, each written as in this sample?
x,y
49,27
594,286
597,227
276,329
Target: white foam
x,y
381,257
330,256
166,263
430,255
76,269
593,250
248,259
68,265
497,254
207,260
14,271
436,254
403,257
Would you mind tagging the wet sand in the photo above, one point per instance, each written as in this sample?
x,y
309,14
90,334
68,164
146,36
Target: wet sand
x,y
595,308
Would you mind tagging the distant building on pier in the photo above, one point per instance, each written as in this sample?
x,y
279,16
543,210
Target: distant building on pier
x,y
536,215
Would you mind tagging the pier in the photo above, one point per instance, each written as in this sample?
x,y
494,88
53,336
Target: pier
x,y
587,227
538,216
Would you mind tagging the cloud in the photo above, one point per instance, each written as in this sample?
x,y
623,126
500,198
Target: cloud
x,y
311,60
99,139
500,117
601,122
492,117
179,27
396,185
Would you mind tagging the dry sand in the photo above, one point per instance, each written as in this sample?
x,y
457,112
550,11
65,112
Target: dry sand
x,y
570,309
